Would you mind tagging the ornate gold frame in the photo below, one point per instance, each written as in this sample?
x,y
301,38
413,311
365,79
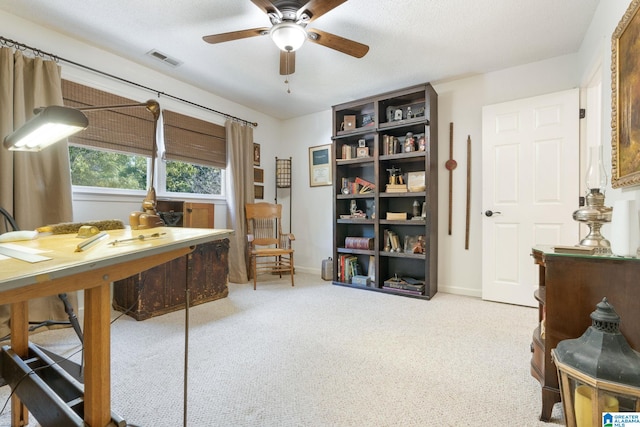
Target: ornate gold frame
x,y
625,86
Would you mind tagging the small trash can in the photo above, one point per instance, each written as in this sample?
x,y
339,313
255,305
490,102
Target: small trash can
x,y
327,269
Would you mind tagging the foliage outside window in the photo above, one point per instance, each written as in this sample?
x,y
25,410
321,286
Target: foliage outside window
x,y
107,169
190,178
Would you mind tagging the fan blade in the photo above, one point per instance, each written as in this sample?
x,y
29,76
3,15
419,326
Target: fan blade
x,y
316,8
338,43
287,63
266,6
234,35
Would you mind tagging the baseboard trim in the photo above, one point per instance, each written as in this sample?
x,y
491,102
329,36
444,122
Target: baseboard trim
x,y
457,290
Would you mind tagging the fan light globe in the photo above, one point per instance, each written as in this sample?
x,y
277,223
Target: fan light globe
x,y
288,36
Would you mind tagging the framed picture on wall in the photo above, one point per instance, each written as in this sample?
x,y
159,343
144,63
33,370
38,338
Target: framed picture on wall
x,y
320,165
258,175
258,192
256,154
625,99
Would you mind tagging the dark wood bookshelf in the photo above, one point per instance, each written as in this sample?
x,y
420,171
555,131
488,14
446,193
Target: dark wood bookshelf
x,y
395,114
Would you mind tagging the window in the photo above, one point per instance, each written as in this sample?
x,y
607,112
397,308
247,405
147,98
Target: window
x,y
97,168
115,151
195,153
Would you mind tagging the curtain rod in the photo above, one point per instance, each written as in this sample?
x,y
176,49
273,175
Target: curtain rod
x,y
38,52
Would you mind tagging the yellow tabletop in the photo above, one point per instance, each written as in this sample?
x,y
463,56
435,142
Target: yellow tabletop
x,y
65,261
91,270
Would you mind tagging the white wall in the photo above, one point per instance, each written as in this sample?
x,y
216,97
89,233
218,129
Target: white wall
x,y
596,47
460,102
312,206
90,207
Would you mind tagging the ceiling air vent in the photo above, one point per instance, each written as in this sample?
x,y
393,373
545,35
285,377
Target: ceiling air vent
x,y
164,58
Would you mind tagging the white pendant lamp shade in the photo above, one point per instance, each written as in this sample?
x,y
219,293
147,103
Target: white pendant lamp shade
x,y
288,36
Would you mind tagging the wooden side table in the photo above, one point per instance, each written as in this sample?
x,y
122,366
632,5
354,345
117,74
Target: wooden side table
x,y
570,286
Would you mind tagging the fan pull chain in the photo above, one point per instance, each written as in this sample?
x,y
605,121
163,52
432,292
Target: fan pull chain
x,y
287,83
286,80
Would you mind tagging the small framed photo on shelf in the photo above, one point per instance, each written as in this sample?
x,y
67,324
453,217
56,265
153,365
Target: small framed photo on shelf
x,y
416,181
414,244
320,165
362,152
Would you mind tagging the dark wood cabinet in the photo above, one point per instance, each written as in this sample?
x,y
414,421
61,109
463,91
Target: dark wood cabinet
x,y
178,213
373,138
570,286
162,289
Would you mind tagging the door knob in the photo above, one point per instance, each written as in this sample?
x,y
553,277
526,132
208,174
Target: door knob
x,y
491,213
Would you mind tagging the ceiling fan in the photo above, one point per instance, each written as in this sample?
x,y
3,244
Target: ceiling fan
x,y
289,19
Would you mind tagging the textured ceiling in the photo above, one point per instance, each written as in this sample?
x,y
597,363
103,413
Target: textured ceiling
x,y
411,41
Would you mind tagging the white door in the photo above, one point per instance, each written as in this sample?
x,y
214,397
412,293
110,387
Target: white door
x,y
530,180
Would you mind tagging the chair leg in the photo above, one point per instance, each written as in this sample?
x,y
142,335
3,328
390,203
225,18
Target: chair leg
x,y
291,268
255,273
279,264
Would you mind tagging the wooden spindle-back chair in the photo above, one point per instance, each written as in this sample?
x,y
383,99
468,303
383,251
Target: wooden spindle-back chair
x,y
270,250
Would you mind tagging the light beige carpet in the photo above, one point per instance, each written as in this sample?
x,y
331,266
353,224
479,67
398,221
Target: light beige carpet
x,y
323,355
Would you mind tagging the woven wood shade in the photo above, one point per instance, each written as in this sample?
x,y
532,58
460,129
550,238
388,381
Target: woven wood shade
x,y
127,130
194,141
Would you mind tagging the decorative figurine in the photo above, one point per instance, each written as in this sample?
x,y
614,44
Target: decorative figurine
x,y
395,175
422,143
398,114
416,208
409,143
409,113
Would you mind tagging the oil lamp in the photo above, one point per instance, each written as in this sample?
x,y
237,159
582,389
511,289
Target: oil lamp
x,y
594,213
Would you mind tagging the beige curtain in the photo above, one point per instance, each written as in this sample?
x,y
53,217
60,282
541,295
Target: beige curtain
x,y
34,187
239,179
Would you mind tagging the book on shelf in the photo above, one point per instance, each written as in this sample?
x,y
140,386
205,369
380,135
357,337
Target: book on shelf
x,y
584,250
358,242
365,186
348,152
390,145
349,267
356,185
394,241
396,215
372,268
403,291
404,284
396,188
